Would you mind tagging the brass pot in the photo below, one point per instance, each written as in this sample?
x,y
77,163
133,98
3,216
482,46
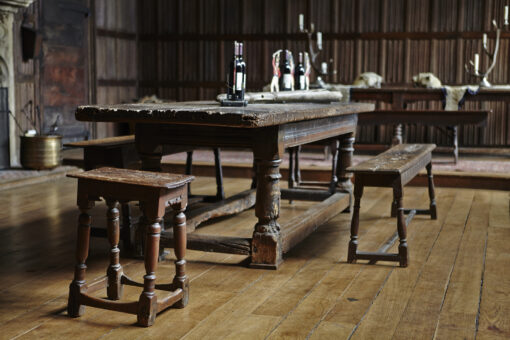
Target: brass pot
x,y
41,152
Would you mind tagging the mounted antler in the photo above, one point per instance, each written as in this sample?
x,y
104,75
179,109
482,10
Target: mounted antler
x,y
492,56
320,70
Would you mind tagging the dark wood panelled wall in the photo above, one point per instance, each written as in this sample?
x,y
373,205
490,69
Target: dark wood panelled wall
x,y
184,47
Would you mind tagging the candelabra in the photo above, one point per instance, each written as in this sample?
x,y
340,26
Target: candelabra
x,y
323,70
475,65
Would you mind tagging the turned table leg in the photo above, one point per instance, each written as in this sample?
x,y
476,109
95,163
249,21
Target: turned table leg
x,y
114,288
147,304
345,161
266,245
78,285
397,134
181,280
401,226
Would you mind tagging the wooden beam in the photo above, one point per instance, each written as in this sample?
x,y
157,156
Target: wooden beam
x,y
211,243
298,228
230,206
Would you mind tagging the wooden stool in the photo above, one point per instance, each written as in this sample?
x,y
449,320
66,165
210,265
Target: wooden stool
x,y
393,168
154,191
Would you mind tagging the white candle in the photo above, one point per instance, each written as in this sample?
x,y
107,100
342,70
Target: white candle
x,y
319,40
301,22
484,40
506,15
477,62
324,67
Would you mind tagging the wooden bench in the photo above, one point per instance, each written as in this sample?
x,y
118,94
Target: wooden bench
x,y
154,191
393,168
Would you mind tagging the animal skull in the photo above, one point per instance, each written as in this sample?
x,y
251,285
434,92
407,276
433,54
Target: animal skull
x,y
428,80
368,79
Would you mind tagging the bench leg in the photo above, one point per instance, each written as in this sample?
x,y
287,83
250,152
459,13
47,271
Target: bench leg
x,y
292,177
432,195
147,303
114,288
394,208
181,280
401,226
78,285
353,243
297,169
220,193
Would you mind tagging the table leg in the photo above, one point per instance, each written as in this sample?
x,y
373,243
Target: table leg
x,y
397,134
345,161
266,245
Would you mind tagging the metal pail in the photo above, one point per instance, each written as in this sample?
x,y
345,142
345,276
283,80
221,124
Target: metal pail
x,y
41,152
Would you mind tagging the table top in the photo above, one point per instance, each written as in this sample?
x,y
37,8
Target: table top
x,y
211,113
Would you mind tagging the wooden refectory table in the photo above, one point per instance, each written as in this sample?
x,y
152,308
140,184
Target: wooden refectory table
x,y
400,96
266,129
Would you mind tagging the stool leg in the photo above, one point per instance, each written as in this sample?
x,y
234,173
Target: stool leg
x,y
114,273
127,240
353,243
401,226
147,304
432,195
181,280
78,285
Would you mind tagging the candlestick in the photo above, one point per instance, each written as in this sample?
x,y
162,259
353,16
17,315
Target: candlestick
x,y
301,22
477,62
324,67
484,40
319,40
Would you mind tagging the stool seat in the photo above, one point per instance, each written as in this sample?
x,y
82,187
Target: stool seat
x,y
155,191
135,177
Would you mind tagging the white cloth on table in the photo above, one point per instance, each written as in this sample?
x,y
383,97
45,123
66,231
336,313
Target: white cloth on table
x,y
455,95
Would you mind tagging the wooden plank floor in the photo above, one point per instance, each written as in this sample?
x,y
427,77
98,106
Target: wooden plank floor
x,y
457,285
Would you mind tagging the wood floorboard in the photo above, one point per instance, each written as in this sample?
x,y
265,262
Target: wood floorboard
x,y
457,284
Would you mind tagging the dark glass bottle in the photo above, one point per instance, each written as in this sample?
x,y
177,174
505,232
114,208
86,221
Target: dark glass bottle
x,y
286,73
299,74
241,80
235,76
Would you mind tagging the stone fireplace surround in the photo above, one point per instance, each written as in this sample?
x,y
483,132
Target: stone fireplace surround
x,y
7,10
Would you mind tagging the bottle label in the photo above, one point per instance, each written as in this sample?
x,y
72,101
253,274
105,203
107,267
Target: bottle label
x,y
239,81
302,83
287,81
244,80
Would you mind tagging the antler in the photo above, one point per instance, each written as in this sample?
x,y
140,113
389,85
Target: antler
x,y
492,56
